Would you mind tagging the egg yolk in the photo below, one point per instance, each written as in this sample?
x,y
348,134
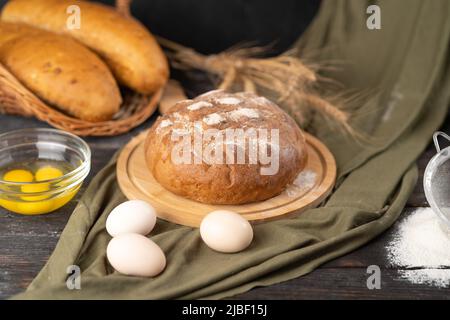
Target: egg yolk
x,y
48,173
8,204
37,207
34,188
18,175
31,204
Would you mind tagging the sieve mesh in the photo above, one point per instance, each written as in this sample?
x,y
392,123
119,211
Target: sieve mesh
x,y
437,181
440,185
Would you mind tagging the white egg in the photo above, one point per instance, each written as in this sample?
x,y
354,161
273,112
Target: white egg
x,y
135,255
226,231
135,216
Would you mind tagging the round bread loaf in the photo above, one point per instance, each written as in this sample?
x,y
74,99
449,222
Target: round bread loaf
x,y
224,148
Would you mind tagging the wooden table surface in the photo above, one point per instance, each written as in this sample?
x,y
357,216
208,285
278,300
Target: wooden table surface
x,y
26,243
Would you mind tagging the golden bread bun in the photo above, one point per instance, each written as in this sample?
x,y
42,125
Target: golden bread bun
x,y
61,71
128,48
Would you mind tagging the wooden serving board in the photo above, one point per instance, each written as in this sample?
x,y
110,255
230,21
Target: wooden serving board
x,y
136,182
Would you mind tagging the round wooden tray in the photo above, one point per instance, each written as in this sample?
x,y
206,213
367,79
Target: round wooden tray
x,y
136,182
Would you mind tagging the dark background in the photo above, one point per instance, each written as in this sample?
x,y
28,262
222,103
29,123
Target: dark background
x,y
214,25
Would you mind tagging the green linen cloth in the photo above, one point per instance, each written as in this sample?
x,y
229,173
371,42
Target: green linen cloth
x,y
406,63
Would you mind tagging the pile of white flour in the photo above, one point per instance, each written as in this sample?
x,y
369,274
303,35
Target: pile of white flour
x,y
422,249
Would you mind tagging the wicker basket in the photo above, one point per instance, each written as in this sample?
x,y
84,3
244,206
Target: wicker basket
x,y
18,100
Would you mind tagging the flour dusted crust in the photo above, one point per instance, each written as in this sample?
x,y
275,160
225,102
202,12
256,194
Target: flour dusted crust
x,y
216,183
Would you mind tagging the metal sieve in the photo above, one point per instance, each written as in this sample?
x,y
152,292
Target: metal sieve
x,y
436,182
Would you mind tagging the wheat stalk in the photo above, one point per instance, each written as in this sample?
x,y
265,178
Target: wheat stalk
x,y
286,79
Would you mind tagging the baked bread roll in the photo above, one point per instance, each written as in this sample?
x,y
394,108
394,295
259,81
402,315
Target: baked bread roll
x,y
234,163
128,48
60,71
9,31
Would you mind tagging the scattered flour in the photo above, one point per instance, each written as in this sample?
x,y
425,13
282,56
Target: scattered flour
x,y
198,126
422,248
213,119
199,105
303,183
180,118
165,123
229,101
262,100
181,121
209,93
237,114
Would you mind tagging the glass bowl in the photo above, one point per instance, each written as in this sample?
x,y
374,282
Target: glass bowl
x,y
29,159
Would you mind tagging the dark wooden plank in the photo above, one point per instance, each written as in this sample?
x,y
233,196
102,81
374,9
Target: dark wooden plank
x,y
345,283
9,123
27,242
